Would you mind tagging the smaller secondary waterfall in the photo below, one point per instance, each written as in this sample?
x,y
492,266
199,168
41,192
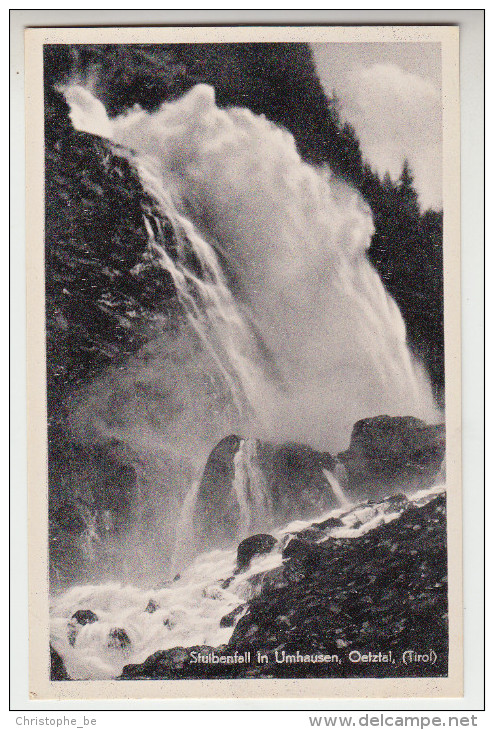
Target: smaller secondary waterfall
x,y
250,490
336,487
184,535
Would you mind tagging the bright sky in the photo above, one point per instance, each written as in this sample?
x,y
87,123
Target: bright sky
x,y
391,94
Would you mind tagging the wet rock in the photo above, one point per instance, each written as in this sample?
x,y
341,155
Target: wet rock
x,y
328,524
220,519
230,618
152,606
72,631
274,579
389,453
311,533
300,558
291,474
397,499
84,616
79,618
385,588
298,485
118,639
301,549
252,546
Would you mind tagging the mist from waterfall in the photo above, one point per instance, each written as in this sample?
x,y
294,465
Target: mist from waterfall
x,y
287,309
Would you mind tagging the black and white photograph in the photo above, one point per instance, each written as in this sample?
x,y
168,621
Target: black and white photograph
x,y
247,427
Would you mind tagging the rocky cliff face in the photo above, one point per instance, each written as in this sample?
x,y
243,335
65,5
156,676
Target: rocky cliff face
x,y
106,295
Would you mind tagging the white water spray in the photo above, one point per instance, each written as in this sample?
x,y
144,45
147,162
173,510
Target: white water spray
x,y
300,325
184,534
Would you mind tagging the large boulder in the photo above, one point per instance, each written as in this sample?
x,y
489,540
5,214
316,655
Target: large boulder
x,y
249,485
298,484
393,453
218,511
252,546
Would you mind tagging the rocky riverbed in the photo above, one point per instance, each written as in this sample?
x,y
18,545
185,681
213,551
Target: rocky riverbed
x,y
362,592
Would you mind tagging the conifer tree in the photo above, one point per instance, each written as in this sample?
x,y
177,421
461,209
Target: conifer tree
x,y
406,191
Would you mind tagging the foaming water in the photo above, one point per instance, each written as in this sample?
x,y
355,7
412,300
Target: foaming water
x,y
133,623
129,623
288,335
298,322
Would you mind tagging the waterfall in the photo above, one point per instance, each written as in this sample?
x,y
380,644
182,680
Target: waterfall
x,y
286,303
286,334
206,300
336,487
250,490
258,488
186,611
184,534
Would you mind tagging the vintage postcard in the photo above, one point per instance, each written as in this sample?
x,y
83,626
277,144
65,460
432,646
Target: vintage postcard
x,y
244,362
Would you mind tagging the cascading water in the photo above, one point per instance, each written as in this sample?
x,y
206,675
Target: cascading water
x,y
250,490
297,320
288,335
184,533
128,624
336,487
